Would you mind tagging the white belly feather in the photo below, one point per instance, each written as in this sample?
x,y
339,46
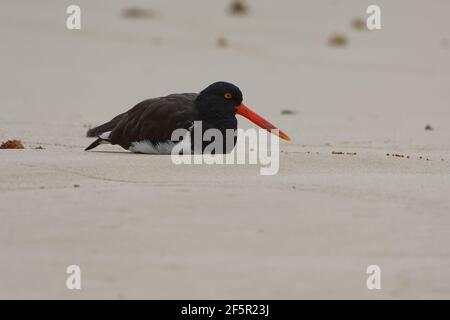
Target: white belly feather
x,y
146,146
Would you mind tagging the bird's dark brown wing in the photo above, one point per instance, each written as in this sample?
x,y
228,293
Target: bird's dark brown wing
x,y
155,119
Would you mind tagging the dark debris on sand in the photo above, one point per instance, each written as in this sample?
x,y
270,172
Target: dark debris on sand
x,y
343,153
397,155
138,13
287,112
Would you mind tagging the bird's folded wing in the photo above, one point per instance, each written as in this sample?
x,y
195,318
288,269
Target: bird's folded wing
x,y
154,120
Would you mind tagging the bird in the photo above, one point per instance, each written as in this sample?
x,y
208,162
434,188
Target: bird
x,y
148,126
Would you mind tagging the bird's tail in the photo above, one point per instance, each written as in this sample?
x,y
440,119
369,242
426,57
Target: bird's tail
x,y
103,138
108,126
94,144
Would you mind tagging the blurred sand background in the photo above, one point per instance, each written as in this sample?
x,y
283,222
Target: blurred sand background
x,y
141,227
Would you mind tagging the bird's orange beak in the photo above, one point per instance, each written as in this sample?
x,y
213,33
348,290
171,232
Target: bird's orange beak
x,y
246,112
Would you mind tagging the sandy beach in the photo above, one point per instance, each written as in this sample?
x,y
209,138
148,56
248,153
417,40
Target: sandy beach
x,y
362,182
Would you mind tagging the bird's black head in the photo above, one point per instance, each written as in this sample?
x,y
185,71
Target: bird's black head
x,y
220,102
220,99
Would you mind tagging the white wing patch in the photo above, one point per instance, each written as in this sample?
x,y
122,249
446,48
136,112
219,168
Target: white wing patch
x,y
105,135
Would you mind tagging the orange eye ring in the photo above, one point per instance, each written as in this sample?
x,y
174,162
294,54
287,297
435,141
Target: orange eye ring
x,y
228,95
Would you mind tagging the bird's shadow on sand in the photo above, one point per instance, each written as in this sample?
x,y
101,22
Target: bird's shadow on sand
x,y
129,153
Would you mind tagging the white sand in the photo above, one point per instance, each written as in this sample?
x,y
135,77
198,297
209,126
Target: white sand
x,y
141,227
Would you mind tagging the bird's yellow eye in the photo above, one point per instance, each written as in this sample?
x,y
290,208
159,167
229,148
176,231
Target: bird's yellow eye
x,y
228,95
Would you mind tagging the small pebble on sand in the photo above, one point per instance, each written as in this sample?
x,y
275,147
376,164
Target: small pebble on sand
x,y
238,7
12,144
338,40
359,24
222,42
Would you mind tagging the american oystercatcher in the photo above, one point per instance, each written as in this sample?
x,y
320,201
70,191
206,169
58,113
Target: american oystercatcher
x,y
148,126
